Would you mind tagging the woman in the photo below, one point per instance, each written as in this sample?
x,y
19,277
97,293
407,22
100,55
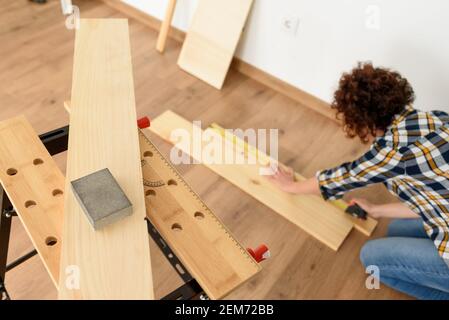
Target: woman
x,y
410,156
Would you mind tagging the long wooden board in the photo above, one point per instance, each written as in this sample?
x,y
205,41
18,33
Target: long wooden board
x,y
209,251
212,39
318,218
35,186
114,262
366,227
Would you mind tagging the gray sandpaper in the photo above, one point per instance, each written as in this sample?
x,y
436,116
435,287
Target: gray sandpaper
x,y
101,198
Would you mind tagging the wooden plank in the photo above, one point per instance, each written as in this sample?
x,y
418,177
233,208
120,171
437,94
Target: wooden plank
x,y
34,185
208,250
366,227
199,239
165,27
113,263
212,39
318,218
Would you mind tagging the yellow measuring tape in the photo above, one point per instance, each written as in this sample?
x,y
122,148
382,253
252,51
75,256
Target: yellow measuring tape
x,y
263,159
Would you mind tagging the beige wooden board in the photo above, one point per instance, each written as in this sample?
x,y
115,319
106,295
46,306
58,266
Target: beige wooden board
x,y
35,185
114,262
212,39
366,227
200,240
318,218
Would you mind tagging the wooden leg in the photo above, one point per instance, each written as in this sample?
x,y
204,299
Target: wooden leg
x,y
165,27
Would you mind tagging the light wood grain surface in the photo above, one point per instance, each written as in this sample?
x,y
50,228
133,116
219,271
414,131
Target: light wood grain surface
x,y
35,186
35,69
114,262
212,39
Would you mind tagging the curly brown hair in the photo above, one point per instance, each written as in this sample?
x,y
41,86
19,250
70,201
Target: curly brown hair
x,y
368,98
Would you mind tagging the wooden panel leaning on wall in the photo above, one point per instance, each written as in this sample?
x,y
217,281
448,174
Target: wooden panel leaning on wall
x,y
212,39
114,262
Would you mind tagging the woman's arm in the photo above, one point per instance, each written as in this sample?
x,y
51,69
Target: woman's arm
x,y
380,163
284,180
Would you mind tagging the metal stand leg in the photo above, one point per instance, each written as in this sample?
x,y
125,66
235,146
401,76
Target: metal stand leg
x,y
190,290
6,211
3,293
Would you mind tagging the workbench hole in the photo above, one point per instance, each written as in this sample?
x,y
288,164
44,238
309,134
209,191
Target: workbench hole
x,y
51,241
150,193
38,161
11,172
172,182
199,215
57,193
148,154
30,204
176,227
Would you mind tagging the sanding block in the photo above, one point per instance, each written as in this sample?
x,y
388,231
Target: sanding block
x,y
101,198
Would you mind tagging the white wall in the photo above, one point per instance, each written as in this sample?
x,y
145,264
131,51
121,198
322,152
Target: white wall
x,y
411,36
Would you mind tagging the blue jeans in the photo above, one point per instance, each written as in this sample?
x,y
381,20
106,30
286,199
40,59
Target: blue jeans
x,y
408,261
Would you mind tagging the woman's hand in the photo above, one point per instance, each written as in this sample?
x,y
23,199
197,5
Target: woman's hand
x,y
284,179
369,207
395,210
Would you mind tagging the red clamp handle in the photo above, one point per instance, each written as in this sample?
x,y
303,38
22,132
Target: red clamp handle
x,y
260,254
143,123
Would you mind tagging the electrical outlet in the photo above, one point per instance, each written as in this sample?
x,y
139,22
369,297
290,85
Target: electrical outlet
x,y
290,25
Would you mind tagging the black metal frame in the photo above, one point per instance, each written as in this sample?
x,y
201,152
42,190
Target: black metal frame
x,y
5,230
56,141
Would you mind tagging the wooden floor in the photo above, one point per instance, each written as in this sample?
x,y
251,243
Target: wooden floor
x,y
35,72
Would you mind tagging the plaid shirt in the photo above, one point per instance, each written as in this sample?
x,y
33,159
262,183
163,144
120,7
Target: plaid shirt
x,y
412,161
